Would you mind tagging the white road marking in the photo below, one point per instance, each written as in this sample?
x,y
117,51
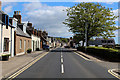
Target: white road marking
x,y
62,69
62,66
111,71
61,56
61,60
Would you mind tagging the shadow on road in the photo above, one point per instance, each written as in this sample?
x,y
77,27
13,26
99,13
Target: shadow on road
x,y
66,50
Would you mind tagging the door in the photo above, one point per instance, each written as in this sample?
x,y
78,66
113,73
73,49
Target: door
x,y
6,44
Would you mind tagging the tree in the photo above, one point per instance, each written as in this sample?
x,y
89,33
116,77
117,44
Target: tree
x,y
92,18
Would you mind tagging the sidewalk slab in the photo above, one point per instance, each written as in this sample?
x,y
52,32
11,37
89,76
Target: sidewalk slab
x,y
17,62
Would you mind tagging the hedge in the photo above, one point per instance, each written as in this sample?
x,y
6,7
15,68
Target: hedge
x,y
104,53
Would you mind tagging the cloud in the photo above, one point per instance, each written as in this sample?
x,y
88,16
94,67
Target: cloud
x,y
47,18
116,12
96,1
109,2
20,0
8,9
60,0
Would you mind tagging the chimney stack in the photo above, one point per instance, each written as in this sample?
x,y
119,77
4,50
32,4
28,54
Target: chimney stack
x,y
0,5
29,24
17,15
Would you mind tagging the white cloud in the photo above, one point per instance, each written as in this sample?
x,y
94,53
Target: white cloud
x,y
60,0
8,9
20,0
96,1
116,13
47,18
109,2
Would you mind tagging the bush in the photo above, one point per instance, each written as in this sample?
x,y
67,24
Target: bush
x,y
6,54
29,50
37,49
104,53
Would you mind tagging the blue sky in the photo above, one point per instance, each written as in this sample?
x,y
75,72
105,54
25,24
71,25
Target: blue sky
x,y
49,15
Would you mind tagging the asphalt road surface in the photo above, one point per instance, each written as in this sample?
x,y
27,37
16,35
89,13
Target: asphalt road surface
x,y
63,63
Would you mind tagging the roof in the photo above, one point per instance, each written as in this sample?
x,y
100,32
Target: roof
x,y
104,39
95,42
21,33
1,22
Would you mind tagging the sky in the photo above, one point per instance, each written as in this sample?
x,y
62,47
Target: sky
x,y
49,15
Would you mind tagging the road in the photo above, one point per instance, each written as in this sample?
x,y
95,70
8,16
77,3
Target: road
x,y
63,63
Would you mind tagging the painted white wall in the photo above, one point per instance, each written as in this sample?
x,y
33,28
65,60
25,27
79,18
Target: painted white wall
x,y
7,34
24,28
49,41
0,38
35,39
14,21
12,55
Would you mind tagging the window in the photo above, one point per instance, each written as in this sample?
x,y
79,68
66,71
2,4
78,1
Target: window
x,y
6,44
20,44
38,44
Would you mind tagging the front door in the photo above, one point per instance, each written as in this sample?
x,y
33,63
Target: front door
x,y
6,44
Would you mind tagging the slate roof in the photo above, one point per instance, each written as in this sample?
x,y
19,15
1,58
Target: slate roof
x,y
21,33
95,42
98,41
1,22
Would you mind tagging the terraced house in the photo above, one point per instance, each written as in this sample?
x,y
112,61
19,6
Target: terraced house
x,y
39,38
6,35
22,38
35,35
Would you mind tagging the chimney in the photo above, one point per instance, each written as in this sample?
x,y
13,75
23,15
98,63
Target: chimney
x,y
17,15
29,24
0,6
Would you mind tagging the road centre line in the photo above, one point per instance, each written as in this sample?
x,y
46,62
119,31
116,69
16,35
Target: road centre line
x,y
61,60
62,66
62,69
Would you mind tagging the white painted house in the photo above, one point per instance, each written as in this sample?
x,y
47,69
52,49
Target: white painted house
x,y
35,42
6,35
35,35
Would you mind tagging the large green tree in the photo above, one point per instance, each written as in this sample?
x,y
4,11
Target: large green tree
x,y
92,18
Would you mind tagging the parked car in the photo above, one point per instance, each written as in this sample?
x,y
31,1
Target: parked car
x,y
46,47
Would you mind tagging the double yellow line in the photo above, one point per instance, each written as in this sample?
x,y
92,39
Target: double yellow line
x,y
114,74
82,56
26,67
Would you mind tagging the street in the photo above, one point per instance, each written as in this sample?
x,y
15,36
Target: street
x,y
63,63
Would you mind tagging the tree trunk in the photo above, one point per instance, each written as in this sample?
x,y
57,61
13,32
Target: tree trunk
x,y
83,43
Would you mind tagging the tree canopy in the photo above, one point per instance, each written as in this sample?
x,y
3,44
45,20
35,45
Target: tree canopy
x,y
95,18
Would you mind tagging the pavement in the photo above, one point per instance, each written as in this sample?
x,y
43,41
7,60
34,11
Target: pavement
x,y
64,63
17,62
